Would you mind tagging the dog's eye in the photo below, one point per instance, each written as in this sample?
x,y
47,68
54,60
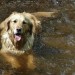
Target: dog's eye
x,y
15,21
24,22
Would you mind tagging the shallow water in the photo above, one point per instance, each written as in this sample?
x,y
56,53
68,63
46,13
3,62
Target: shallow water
x,y
54,47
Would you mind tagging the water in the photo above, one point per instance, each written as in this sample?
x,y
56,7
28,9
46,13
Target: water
x,y
55,52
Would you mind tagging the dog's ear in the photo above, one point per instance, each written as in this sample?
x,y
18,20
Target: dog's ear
x,y
37,25
4,24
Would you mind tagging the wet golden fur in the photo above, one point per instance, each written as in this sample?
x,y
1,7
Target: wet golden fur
x,y
18,54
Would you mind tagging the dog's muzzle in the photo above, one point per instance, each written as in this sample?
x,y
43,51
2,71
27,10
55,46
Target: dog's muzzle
x,y
18,31
18,34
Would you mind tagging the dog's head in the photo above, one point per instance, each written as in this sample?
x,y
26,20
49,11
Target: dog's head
x,y
20,26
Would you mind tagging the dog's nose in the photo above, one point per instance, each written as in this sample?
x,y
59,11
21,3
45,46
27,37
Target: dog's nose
x,y
19,30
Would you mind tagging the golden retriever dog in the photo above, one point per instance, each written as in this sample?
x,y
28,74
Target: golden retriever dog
x,y
17,37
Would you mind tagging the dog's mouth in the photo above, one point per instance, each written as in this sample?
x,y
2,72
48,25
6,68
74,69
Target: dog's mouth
x,y
18,36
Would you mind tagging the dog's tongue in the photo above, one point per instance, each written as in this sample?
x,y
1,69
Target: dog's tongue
x,y
18,37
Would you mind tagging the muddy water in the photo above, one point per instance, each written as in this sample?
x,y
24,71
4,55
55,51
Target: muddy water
x,y
54,47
